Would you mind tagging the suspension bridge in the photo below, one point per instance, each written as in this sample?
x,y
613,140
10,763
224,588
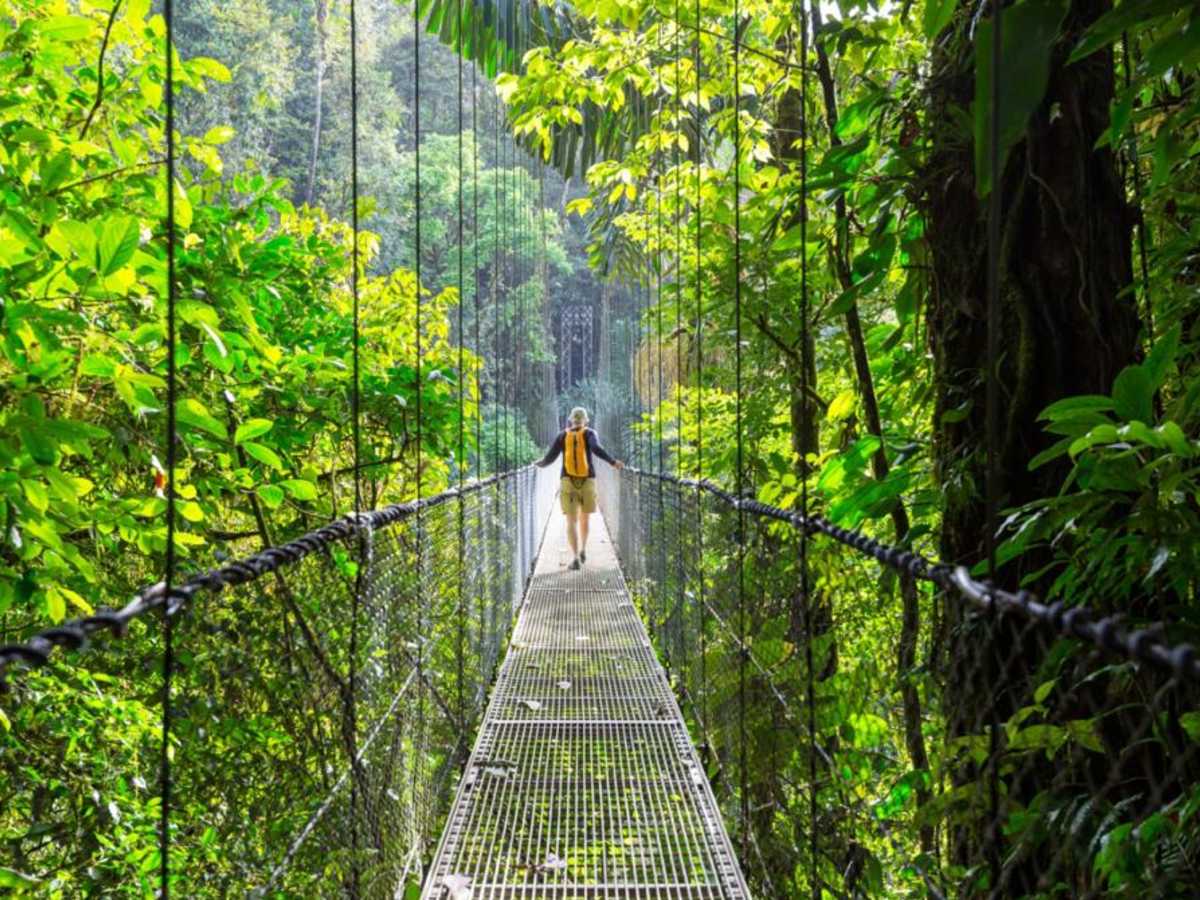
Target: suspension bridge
x,y
437,707
607,760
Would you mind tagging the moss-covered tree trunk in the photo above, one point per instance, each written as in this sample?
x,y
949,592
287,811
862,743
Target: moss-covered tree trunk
x,y
1068,326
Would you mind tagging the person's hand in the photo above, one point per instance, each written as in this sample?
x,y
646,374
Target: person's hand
x,y
619,465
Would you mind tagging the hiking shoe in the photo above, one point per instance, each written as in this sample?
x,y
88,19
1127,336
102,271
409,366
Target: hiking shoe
x,y
583,556
574,567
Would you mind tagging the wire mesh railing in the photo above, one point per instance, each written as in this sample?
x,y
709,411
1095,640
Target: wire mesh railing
x,y
1005,748
324,697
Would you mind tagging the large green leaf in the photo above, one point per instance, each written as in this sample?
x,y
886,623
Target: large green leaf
x,y
1133,394
118,240
1030,31
937,16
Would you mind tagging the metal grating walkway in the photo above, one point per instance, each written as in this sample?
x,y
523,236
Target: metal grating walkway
x,y
583,782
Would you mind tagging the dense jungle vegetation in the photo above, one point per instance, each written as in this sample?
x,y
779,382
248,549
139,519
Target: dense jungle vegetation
x,y
626,145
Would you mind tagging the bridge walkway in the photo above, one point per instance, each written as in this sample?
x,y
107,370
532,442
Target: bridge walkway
x,y
583,781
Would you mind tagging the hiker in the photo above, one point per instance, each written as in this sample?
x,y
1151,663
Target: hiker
x,y
577,443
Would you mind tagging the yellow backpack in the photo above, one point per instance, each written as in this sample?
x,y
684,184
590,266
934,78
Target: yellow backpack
x,y
575,453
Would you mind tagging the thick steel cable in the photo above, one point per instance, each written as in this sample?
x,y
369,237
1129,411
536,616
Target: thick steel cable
x,y
1105,632
168,631
76,633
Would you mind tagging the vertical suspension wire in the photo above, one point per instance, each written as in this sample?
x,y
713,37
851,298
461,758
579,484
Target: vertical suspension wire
x,y
168,629
740,457
506,270
518,245
660,542
478,346
806,390
992,387
544,305
658,272
679,576
699,288
497,438
521,277
507,295
462,387
419,522
356,432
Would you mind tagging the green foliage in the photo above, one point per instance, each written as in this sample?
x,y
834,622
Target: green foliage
x,y
629,98
264,363
1123,526
640,105
1030,31
505,442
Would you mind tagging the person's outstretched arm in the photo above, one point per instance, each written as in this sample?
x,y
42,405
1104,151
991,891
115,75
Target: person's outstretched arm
x,y
551,454
602,453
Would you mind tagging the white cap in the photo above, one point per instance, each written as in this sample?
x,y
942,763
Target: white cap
x,y
578,417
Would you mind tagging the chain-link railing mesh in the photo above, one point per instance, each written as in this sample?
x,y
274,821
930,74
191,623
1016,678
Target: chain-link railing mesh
x,y
986,753
322,710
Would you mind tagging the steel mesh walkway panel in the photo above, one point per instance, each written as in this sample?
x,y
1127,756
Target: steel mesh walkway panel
x,y
583,782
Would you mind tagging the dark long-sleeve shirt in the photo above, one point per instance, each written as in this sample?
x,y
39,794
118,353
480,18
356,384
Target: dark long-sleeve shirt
x,y
590,442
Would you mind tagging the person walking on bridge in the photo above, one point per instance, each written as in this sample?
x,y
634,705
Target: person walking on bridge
x,y
578,444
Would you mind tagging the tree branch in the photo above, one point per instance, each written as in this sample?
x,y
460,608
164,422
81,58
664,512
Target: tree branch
x,y
112,17
103,176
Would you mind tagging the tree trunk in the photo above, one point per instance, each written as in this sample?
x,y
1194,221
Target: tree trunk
x,y
806,410
1066,329
321,9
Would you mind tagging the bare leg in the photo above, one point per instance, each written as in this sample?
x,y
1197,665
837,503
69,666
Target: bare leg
x,y
584,519
571,536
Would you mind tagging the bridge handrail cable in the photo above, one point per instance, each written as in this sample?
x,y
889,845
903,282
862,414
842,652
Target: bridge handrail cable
x,y
75,633
1105,632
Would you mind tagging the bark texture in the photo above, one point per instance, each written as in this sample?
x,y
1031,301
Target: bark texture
x,y
1068,327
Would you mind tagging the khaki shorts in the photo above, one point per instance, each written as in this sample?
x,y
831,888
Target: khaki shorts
x,y
578,493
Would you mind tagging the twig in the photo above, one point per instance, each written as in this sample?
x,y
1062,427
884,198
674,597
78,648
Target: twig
x,y
112,16
106,175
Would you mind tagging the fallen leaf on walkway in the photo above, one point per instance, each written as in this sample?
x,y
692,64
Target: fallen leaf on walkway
x,y
459,887
564,685
535,705
582,637
553,864
498,763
